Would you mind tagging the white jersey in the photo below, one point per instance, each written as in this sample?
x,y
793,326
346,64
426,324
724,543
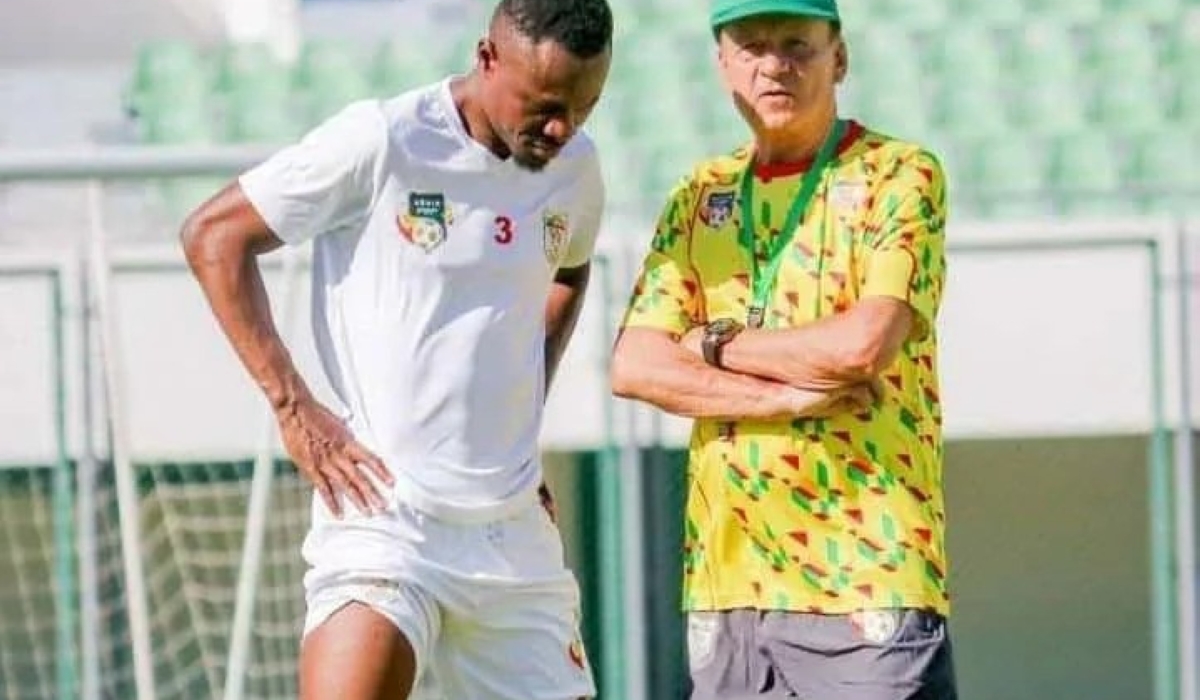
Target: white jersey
x,y
432,263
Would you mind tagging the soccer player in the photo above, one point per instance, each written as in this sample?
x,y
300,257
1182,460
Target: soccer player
x,y
452,228
788,304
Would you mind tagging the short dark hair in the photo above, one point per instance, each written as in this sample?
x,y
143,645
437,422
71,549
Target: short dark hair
x,y
582,27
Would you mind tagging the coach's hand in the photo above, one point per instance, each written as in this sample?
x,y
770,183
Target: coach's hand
x,y
823,404
328,455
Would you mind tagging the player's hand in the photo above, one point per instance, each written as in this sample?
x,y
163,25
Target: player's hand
x,y
823,404
330,458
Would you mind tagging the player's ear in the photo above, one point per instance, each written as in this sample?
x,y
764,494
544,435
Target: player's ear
x,y
841,60
485,54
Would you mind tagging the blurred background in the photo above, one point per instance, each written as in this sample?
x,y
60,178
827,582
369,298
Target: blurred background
x,y
150,526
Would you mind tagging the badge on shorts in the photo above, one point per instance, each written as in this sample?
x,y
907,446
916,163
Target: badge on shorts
x,y
701,638
556,231
876,626
424,225
717,209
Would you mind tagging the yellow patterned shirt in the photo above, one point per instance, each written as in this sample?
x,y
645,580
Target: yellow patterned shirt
x,y
819,515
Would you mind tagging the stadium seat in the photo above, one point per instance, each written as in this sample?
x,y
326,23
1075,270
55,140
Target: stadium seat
x,y
166,71
325,63
1158,10
966,57
178,123
1085,172
1122,48
1129,107
1070,11
1164,170
1043,53
970,110
249,119
989,12
1044,111
252,68
1006,175
396,67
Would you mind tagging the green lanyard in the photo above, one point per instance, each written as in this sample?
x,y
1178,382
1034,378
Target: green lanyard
x,y
763,282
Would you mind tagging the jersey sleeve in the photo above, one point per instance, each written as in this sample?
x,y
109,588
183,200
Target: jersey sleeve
x,y
591,212
667,293
905,245
323,180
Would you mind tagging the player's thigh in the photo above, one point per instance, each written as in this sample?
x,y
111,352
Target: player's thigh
x,y
356,654
873,655
524,647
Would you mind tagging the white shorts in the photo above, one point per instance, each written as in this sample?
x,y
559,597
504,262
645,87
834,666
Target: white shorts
x,y
490,609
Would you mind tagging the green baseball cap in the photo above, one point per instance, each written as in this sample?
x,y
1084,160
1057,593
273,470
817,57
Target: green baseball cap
x,y
725,11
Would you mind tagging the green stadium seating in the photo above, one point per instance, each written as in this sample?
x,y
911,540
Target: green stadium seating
x,y
249,119
166,71
1122,48
1071,11
1085,171
250,67
1129,107
1164,170
969,111
1005,176
397,66
966,57
1155,10
1020,96
988,12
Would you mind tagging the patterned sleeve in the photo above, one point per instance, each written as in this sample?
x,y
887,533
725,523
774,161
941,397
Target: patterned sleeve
x,y
906,239
666,296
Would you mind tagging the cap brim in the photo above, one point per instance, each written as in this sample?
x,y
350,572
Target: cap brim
x,y
756,8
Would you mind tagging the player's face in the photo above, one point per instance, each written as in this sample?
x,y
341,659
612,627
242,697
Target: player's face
x,y
780,69
538,95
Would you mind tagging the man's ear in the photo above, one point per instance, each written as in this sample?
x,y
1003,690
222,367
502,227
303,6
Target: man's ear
x,y
841,61
485,55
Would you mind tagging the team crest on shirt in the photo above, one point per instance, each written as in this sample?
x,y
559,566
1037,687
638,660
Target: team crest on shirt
x,y
556,231
425,222
717,209
848,198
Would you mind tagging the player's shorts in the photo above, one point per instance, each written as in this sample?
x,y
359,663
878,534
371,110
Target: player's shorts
x,y
490,609
872,655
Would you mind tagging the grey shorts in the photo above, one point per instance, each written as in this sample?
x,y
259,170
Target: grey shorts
x,y
872,655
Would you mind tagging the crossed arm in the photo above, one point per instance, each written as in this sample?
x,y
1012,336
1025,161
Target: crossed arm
x,y
821,368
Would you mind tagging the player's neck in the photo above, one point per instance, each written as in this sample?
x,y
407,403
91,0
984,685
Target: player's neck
x,y
465,94
796,144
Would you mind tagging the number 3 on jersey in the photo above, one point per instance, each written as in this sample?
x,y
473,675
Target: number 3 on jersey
x,y
504,230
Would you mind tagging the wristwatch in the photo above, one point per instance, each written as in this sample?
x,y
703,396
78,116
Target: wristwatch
x,y
716,335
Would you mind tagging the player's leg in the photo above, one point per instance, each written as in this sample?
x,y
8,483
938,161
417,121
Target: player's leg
x,y
357,654
513,633
370,621
872,655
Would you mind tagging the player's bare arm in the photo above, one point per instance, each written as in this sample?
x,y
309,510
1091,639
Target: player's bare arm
x,y
222,241
846,349
562,311
652,366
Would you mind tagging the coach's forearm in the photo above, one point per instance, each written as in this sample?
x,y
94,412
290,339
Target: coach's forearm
x,y
832,353
228,272
650,366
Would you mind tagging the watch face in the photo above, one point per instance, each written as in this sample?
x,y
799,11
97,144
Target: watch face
x,y
722,326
